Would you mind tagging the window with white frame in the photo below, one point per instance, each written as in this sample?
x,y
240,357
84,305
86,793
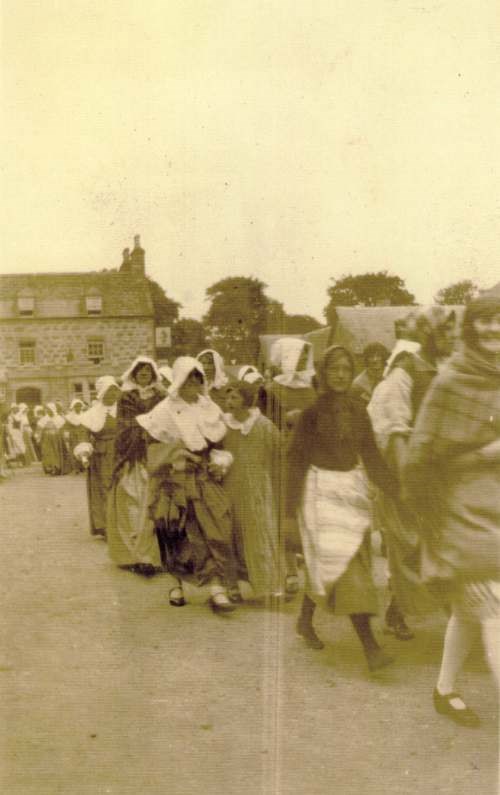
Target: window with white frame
x,y
27,352
93,304
95,351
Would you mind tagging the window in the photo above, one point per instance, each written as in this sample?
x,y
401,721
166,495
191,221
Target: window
x,y
78,391
27,352
93,304
95,351
26,305
92,390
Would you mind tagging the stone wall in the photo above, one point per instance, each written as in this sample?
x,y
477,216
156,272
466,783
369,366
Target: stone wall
x,y
61,352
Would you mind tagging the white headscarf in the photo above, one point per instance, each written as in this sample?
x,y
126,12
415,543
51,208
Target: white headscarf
x,y
57,420
194,424
72,417
401,346
249,374
37,410
128,382
166,373
95,417
220,378
285,354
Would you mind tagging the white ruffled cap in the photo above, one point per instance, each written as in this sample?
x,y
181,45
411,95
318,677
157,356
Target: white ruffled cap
x,y
128,382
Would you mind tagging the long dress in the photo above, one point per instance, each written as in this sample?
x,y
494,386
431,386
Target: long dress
x,y
56,459
329,489
131,536
100,473
252,484
190,509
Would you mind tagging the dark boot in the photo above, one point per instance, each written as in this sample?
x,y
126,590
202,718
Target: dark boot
x,y
395,623
376,657
305,626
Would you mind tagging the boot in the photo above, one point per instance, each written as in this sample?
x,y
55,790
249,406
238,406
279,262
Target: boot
x,y
305,626
395,623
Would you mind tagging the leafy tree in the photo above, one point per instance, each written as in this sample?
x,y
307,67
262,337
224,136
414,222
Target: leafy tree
x,y
236,317
166,310
367,289
188,338
457,294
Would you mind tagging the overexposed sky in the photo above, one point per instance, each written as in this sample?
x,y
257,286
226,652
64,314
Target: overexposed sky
x,y
292,141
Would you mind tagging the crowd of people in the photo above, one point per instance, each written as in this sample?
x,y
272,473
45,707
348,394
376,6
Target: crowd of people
x,y
216,480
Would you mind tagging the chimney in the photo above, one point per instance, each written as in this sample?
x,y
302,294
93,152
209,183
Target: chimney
x,y
125,266
137,258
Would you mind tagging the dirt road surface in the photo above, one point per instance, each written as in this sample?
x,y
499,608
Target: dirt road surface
x,y
107,690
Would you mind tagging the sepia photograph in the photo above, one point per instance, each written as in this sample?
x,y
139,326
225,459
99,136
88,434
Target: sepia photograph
x,y
250,397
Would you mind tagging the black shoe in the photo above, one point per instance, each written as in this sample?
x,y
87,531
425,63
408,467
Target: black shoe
x,y
306,630
176,597
378,659
234,595
464,717
145,569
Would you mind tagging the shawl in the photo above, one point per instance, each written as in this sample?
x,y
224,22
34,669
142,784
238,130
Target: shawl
x,y
246,426
221,378
196,425
461,411
285,354
94,418
72,417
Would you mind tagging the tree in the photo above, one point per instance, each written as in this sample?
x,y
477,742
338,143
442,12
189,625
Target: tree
x,y
300,324
166,310
236,317
457,294
188,338
367,289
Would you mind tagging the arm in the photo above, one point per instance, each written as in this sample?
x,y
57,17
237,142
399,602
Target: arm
x,y
297,461
376,468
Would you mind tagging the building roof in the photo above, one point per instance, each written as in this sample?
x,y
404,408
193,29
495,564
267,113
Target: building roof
x,y
63,294
494,291
359,326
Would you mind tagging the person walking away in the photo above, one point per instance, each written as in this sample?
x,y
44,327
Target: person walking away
x,y
73,432
329,490
452,480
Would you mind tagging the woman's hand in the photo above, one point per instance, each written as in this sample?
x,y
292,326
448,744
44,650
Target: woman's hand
x,y
216,471
185,460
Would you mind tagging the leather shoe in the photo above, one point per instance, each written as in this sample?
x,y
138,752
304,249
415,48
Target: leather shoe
x,y
176,597
465,716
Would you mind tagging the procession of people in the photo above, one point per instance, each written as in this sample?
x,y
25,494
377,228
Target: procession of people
x,y
216,481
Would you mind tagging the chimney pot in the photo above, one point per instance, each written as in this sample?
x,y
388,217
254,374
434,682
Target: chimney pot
x,y
137,241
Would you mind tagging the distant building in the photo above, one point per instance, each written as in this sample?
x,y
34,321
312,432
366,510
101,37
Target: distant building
x,y
60,331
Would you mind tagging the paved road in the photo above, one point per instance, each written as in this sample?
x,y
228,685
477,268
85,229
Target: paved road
x,y
107,689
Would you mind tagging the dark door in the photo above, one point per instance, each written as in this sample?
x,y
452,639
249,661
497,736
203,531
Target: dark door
x,y
29,395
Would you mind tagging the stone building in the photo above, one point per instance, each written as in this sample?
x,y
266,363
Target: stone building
x,y
60,331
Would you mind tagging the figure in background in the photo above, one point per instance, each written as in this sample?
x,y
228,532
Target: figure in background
x,y
95,450
290,390
329,490
252,484
215,376
16,448
56,459
375,356
73,433
452,480
132,544
30,456
393,409
38,413
187,504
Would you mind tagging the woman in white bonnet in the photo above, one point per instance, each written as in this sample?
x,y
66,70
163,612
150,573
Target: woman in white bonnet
x,y
96,450
189,508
